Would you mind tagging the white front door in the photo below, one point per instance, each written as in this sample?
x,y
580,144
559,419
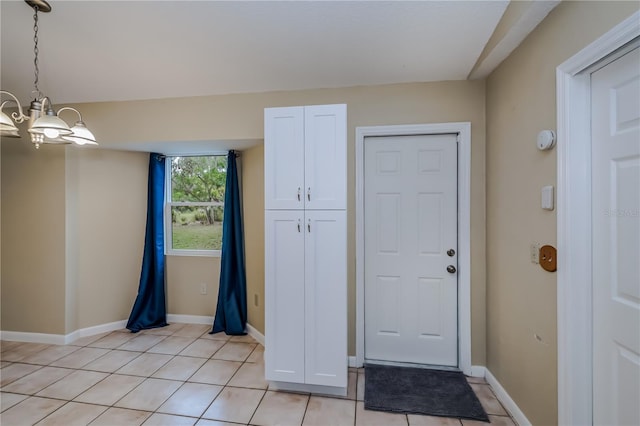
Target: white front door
x,y
410,233
615,91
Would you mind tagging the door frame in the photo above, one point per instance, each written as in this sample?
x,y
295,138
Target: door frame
x,y
463,130
574,281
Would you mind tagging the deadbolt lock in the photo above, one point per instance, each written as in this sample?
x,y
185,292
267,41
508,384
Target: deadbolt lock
x,y
451,252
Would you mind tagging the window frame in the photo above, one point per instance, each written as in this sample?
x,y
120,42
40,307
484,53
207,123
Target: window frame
x,y
168,204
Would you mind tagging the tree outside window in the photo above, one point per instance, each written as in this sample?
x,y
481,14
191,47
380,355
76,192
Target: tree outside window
x,y
195,204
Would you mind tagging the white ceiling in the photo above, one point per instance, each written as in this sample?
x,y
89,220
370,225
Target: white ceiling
x,y
127,50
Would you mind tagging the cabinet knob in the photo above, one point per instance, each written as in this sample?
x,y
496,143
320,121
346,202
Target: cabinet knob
x,y
309,193
298,225
298,193
309,226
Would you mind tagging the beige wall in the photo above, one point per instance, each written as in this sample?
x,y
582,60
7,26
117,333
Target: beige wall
x,y
521,297
33,237
184,276
233,117
74,220
111,192
253,210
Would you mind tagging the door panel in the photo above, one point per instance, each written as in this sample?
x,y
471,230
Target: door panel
x,y
326,297
284,158
616,240
410,223
325,157
284,301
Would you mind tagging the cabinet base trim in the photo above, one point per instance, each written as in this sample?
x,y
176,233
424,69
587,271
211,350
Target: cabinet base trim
x,y
301,387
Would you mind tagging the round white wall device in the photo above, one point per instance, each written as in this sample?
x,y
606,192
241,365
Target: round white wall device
x,y
546,140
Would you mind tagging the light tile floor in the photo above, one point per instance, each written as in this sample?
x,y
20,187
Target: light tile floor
x,y
178,375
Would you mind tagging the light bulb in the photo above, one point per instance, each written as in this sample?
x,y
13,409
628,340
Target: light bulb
x,y
51,133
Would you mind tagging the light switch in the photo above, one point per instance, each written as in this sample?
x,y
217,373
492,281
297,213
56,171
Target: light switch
x,y
547,197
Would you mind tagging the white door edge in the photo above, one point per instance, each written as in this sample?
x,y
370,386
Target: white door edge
x,y
573,89
463,129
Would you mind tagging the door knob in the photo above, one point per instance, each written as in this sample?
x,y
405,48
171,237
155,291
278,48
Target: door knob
x,y
451,252
451,269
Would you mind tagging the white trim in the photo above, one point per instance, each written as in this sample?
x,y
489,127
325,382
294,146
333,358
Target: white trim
x,y
352,361
478,371
96,329
190,319
253,332
574,223
506,400
204,319
61,339
463,129
18,336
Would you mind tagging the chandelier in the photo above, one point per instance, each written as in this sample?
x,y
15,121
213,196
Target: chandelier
x,y
44,124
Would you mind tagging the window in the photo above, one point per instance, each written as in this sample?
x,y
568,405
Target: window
x,y
194,205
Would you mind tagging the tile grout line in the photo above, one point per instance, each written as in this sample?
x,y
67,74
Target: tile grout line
x,y
180,382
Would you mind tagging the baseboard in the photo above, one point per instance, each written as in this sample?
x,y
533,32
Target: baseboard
x,y
504,398
251,330
353,362
61,339
96,329
190,319
64,339
478,371
203,319
19,336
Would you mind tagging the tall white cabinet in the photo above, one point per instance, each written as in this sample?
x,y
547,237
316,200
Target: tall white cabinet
x,y
305,248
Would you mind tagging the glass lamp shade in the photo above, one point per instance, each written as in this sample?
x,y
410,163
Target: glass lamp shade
x,y
7,128
81,135
50,126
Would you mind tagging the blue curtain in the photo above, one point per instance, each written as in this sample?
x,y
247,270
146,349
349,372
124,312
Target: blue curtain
x,y
231,312
149,309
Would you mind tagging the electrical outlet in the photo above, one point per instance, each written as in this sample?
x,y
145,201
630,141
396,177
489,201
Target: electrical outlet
x,y
255,299
203,288
535,253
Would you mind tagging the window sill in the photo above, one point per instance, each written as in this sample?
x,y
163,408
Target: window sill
x,y
194,253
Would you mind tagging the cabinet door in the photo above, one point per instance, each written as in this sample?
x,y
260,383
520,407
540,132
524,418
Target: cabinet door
x,y
326,298
284,295
284,158
325,152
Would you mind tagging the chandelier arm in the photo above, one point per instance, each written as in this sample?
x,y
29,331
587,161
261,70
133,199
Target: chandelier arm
x,y
71,109
45,100
18,116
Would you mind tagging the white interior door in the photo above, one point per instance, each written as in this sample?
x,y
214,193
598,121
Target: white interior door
x,y
615,91
410,215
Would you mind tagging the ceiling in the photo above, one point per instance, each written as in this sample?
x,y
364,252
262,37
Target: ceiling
x,y
93,51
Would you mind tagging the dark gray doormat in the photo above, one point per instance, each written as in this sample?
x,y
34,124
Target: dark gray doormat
x,y
420,391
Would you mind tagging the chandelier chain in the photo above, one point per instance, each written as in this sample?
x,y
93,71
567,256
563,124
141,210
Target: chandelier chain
x,y
35,51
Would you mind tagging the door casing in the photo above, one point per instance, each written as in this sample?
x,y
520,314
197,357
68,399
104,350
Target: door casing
x,y
463,130
573,89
